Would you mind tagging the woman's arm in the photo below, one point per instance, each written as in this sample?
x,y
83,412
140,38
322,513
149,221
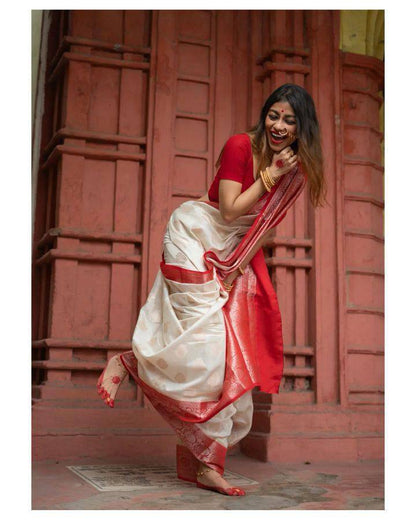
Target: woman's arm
x,y
233,203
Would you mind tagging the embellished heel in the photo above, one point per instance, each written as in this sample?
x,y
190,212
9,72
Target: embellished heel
x,y
186,464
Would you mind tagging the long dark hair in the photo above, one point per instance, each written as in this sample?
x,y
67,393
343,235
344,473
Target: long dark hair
x,y
308,143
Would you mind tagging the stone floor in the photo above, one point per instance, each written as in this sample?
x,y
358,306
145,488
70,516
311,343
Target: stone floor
x,y
80,485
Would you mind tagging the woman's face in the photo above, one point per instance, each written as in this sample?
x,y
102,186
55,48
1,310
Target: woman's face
x,y
280,126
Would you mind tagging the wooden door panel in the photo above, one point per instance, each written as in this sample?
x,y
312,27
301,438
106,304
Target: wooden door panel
x,y
182,158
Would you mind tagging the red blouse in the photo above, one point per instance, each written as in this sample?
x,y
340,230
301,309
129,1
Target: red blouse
x,y
236,165
266,355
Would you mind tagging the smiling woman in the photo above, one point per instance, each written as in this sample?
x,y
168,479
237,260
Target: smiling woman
x,y
280,126
291,109
211,328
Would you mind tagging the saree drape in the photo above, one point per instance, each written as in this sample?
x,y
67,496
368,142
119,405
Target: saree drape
x,y
198,350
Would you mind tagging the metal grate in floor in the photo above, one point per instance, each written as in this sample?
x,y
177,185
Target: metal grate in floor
x,y
127,477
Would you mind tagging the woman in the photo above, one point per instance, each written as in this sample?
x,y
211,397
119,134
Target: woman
x,y
210,329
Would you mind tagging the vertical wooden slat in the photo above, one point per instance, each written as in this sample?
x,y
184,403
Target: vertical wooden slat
x,y
163,130
211,160
241,102
152,40
325,255
278,37
340,190
301,296
223,119
256,93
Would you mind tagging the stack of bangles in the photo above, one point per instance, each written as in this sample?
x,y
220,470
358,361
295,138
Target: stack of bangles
x,y
267,179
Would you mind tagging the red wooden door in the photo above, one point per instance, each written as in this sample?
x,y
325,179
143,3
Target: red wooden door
x,y
183,120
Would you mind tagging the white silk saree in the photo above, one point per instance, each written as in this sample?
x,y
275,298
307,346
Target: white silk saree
x,y
198,350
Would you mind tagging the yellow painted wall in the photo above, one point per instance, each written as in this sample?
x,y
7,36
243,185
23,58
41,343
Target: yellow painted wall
x,y
36,34
362,32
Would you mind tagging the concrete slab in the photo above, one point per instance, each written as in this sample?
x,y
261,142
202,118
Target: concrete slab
x,y
326,486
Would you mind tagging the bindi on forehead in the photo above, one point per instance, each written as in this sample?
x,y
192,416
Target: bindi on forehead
x,y
282,108
282,111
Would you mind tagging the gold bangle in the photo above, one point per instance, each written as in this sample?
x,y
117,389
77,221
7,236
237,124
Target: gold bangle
x,y
266,180
269,178
241,269
227,286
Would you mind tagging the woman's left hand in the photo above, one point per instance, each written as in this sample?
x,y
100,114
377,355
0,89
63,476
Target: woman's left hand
x,y
282,163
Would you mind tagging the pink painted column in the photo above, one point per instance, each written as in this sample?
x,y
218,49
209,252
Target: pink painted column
x,y
362,82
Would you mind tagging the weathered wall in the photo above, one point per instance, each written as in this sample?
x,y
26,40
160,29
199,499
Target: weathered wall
x,y
137,107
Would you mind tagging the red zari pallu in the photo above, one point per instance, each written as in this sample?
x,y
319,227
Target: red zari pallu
x,y
248,317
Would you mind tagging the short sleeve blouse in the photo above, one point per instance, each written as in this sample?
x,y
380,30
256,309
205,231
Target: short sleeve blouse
x,y
236,165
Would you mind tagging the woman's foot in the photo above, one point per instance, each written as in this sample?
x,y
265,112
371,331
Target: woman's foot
x,y
208,478
110,380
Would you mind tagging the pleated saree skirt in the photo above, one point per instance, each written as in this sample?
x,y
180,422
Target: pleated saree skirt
x,y
198,350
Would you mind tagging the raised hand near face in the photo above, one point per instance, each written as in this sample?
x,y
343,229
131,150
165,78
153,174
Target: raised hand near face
x,y
282,162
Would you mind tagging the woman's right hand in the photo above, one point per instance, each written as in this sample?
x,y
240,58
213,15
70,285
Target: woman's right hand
x,y
286,160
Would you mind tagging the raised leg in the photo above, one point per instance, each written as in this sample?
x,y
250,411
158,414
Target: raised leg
x,y
111,379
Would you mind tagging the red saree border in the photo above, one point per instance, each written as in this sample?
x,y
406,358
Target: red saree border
x,y
202,447
177,273
187,411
